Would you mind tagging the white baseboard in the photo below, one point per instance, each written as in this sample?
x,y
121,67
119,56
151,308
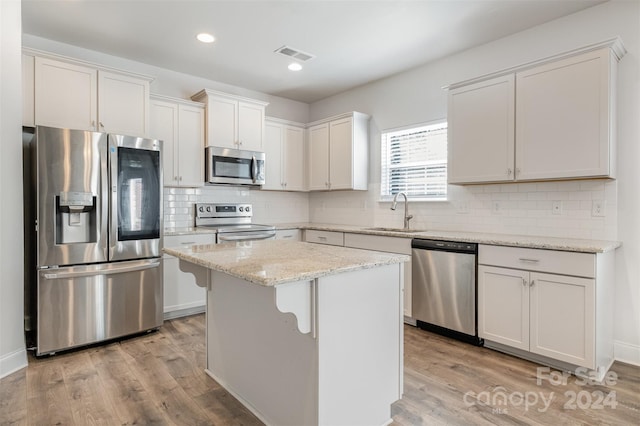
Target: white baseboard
x,y
12,362
626,352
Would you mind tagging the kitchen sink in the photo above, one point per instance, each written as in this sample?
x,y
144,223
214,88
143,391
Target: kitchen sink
x,y
393,229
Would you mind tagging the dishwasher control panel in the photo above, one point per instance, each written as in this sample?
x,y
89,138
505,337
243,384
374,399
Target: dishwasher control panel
x,y
454,246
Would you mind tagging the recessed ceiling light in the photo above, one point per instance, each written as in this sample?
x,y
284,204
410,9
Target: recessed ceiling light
x,y
294,66
205,38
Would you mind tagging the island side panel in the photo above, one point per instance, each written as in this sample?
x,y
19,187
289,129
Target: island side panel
x,y
359,329
258,354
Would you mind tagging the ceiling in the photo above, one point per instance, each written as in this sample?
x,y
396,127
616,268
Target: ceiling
x,y
354,42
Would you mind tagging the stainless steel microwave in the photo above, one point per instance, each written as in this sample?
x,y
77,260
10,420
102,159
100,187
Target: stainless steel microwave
x,y
234,166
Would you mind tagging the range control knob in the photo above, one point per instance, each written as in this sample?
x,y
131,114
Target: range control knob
x,y
201,209
209,209
247,209
241,209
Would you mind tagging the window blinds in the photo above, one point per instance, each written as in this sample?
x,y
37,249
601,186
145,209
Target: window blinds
x,y
414,161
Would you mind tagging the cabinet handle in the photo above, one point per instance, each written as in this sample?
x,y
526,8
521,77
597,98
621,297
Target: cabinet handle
x,y
322,238
188,243
180,179
93,124
517,171
508,172
175,178
524,259
284,237
532,283
524,282
101,125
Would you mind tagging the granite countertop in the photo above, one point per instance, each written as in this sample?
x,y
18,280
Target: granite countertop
x,y
273,262
525,241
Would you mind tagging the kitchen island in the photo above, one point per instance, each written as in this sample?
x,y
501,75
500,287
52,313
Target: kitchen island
x,y
301,333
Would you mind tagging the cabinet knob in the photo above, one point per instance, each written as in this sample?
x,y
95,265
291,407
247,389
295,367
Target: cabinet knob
x,y
175,178
517,171
508,172
180,179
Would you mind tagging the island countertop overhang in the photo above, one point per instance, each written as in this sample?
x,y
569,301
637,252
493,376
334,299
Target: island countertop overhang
x,y
274,262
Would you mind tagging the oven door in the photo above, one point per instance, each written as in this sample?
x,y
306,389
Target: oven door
x,y
135,173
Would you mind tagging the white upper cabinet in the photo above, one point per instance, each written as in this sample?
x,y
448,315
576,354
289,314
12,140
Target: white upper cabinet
x,y
285,156
66,95
71,95
481,131
565,119
28,70
180,125
338,153
123,104
553,119
318,169
233,121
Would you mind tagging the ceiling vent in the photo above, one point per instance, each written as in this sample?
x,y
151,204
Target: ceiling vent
x,y
294,53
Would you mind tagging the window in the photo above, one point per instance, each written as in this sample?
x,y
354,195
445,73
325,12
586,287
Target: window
x,y
414,161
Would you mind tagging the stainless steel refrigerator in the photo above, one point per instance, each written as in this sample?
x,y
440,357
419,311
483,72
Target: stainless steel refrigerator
x,y
97,265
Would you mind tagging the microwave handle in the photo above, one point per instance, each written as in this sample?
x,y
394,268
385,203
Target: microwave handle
x,y
254,168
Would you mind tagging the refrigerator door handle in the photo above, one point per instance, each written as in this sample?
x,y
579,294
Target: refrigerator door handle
x,y
108,271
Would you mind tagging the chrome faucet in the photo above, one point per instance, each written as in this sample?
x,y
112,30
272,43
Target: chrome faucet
x,y
407,216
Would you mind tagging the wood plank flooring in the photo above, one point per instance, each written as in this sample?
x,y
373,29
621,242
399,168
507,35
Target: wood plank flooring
x,y
158,379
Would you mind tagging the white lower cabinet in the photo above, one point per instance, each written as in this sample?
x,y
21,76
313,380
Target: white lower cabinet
x,y
389,245
552,304
182,296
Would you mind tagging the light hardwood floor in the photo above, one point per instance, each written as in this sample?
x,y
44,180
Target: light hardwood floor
x,y
158,378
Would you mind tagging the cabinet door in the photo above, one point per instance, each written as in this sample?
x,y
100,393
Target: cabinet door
x,y
563,110
28,70
503,306
481,131
123,104
562,318
274,135
163,117
65,95
341,154
190,151
180,289
318,157
222,122
250,126
293,159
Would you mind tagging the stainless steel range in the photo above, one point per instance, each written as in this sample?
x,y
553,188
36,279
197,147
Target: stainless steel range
x,y
232,222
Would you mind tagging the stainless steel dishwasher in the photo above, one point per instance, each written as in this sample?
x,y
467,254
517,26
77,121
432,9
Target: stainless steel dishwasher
x,y
444,288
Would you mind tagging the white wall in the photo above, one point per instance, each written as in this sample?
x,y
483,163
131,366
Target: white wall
x,y
417,96
13,355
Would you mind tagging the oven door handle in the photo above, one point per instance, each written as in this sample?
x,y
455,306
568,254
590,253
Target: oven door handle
x,y
263,236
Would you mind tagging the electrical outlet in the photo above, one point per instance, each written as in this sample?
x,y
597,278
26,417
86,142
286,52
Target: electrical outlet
x,y
556,207
597,208
463,207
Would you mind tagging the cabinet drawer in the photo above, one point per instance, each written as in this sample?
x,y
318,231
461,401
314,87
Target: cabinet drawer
x,y
378,243
557,262
288,234
324,237
187,240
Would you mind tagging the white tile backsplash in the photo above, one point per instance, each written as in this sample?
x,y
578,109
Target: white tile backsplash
x,y
268,207
519,208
